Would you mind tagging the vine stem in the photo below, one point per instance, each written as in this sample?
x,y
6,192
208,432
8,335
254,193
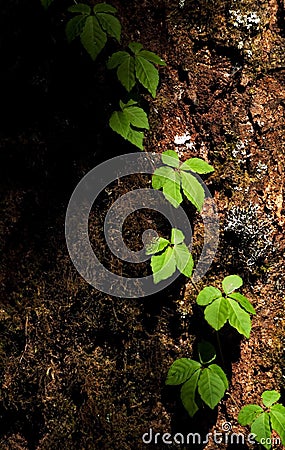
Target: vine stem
x,y
220,349
194,286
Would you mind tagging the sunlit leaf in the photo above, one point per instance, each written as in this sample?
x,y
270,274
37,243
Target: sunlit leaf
x,y
120,123
243,301
163,266
211,387
217,313
270,397
231,283
197,165
137,117
193,190
126,73
277,417
147,74
188,393
177,237
181,370
207,295
238,318
248,414
157,246
184,259
152,57
261,428
170,158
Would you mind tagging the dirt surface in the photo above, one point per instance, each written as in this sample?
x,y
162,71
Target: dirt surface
x,y
83,370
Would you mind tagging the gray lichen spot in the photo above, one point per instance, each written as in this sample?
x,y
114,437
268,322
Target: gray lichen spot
x,y
250,234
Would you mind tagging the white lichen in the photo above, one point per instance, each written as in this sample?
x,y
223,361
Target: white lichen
x,y
240,151
250,233
249,21
181,140
261,169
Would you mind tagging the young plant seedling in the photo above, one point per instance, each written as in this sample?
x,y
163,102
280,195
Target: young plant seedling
x,y
93,26
136,64
130,123
169,256
175,178
232,306
263,420
200,380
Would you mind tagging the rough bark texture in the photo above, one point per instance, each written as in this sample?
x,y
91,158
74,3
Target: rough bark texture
x,y
81,370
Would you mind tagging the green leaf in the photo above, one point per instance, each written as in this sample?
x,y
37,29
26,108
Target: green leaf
x,y
171,191
93,37
219,371
177,237
197,165
157,246
165,177
74,27
163,266
193,190
137,117
207,295
261,428
80,8
270,397
46,3
277,416
104,8
216,314
120,123
211,387
238,318
135,47
243,301
131,102
248,414
152,57
116,59
170,158
207,352
231,283
184,260
181,370
110,24
161,176
126,73
136,138
147,74
188,392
